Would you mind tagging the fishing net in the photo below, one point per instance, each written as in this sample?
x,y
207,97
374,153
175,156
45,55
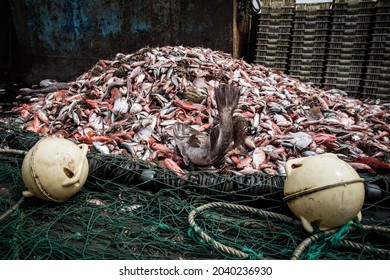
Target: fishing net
x,y
129,209
137,205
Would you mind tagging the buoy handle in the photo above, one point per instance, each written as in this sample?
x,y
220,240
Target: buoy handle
x,y
293,164
76,177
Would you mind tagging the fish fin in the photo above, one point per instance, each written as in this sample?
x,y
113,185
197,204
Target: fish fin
x,y
214,134
227,97
239,135
186,160
181,130
194,141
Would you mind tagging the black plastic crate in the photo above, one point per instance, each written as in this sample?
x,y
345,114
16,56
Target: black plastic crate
x,y
310,56
346,56
276,16
275,66
379,57
351,63
377,93
310,32
350,32
344,68
381,24
308,44
376,83
302,61
274,36
355,77
306,64
304,73
347,51
378,63
272,53
381,37
350,89
329,80
361,7
308,50
278,22
384,50
317,25
381,77
377,70
272,47
350,25
308,79
347,45
381,30
309,38
284,7
312,9
316,70
374,46
349,38
382,17
279,60
274,29
312,18
351,18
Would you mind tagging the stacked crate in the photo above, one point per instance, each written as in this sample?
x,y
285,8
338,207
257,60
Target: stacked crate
x,y
348,41
273,41
309,40
377,80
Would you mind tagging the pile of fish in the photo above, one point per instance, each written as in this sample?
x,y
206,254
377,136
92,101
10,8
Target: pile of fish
x,y
128,106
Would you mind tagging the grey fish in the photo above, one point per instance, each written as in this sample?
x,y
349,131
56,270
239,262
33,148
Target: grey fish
x,y
56,86
202,149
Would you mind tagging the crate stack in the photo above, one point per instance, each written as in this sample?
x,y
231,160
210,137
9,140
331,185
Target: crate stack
x,y
348,41
309,40
377,79
273,40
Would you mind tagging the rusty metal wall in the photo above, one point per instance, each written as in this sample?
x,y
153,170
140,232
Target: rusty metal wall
x,y
62,39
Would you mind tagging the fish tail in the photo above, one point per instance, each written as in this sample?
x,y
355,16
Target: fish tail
x,y
227,97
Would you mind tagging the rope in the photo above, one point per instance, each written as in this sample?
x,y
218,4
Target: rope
x,y
12,151
335,236
323,235
240,208
12,209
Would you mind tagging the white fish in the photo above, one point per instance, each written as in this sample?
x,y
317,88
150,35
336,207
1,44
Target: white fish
x,y
103,149
135,108
143,134
259,157
121,106
300,140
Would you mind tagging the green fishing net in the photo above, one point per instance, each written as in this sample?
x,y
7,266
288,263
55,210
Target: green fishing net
x,y
129,209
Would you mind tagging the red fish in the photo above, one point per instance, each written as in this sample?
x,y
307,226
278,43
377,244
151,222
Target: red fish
x,y
374,163
321,138
189,105
170,164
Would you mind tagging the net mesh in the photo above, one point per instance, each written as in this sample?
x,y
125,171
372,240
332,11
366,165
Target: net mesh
x,y
131,210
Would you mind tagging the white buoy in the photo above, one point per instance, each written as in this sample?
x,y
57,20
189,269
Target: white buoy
x,y
55,169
